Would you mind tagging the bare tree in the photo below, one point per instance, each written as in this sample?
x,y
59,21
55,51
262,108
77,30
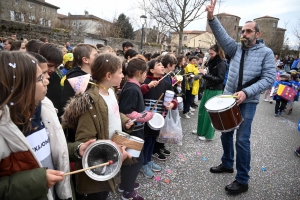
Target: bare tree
x,y
296,31
175,14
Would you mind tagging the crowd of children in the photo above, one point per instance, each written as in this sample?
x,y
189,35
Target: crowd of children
x,y
121,89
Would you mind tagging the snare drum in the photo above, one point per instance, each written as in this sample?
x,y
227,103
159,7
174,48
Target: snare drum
x,y
224,113
100,152
157,121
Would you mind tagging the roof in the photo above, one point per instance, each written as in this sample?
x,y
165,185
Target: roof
x,y
81,17
43,2
266,17
227,15
193,32
281,29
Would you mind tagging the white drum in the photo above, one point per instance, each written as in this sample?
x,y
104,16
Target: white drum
x,y
169,95
157,122
180,103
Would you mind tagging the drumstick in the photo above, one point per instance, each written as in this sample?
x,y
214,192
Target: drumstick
x,y
157,102
228,96
164,76
110,162
177,72
175,83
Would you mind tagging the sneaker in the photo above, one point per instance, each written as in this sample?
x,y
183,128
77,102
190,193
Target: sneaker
x,y
266,100
194,131
165,152
280,113
191,113
146,171
159,156
192,109
154,167
271,101
290,111
276,115
186,116
132,196
297,153
202,138
135,187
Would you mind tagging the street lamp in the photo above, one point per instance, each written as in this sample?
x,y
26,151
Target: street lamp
x,y
143,21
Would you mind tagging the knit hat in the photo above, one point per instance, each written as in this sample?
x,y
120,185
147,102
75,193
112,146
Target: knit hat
x,y
67,57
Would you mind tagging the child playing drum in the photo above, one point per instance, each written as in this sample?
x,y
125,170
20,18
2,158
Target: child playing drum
x,y
131,103
95,115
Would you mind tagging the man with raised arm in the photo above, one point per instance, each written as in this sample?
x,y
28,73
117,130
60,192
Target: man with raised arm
x,y
252,70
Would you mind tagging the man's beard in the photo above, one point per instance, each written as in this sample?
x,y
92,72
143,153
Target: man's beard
x,y
247,42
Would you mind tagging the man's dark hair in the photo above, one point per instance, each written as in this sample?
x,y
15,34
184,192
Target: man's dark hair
x,y
155,55
168,59
148,56
100,46
256,27
43,39
38,57
52,53
33,46
131,53
127,44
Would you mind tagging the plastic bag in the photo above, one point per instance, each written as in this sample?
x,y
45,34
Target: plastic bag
x,y
171,132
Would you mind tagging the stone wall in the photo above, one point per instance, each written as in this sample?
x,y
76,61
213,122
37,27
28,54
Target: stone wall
x,y
60,36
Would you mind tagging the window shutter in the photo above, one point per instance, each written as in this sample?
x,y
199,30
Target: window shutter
x,y
49,23
12,15
22,17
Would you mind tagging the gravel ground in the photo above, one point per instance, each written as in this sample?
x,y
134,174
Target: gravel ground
x,y
186,173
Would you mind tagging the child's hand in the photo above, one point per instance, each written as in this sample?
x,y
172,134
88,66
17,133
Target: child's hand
x,y
153,84
169,106
128,124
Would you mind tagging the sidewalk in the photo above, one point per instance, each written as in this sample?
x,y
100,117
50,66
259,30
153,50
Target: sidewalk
x,y
186,173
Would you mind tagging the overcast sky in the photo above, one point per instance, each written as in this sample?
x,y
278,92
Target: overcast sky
x,y
287,11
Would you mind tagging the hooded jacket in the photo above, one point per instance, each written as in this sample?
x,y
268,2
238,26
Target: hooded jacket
x,y
19,164
87,113
258,62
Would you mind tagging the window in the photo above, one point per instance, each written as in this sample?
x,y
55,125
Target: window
x,y
185,38
44,9
236,19
30,5
274,25
74,23
31,19
18,16
272,34
234,27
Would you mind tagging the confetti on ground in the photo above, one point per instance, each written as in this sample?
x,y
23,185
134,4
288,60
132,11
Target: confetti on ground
x,y
157,178
180,155
204,159
183,159
263,169
167,181
169,171
198,153
274,171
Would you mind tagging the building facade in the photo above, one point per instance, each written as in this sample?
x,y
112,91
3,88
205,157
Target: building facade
x,y
230,24
29,11
85,23
186,37
272,35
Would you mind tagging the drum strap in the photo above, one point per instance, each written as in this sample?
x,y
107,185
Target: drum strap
x,y
241,70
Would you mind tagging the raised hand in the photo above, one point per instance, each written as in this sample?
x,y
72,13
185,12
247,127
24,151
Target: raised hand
x,y
210,9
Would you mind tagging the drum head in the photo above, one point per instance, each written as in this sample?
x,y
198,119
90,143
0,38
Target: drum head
x,y
216,103
100,152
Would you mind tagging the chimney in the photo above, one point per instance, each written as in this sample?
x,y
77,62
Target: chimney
x,y
86,13
69,14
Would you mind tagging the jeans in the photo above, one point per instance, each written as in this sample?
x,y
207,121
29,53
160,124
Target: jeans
x,y
188,101
148,148
243,154
280,105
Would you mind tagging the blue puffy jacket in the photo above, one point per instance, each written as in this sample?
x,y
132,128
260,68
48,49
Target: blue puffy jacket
x,y
258,62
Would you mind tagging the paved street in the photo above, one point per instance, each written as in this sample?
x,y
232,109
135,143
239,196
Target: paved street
x,y
186,172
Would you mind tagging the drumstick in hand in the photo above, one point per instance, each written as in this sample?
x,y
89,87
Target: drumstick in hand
x,y
157,102
110,162
164,76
